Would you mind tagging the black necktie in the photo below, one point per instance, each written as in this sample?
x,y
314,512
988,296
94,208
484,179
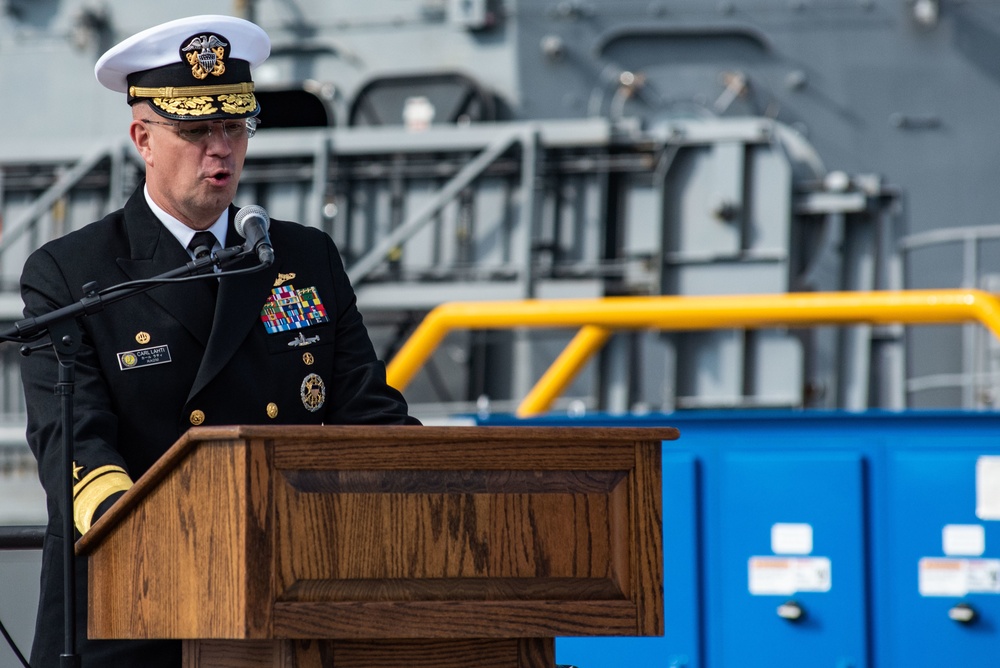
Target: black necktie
x,y
203,293
201,244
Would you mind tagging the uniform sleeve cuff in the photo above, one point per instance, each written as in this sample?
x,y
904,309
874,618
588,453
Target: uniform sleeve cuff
x,y
96,488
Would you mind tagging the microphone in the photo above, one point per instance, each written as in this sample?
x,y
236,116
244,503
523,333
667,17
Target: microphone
x,y
251,224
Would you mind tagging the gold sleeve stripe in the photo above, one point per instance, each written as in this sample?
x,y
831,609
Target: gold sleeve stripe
x,y
92,491
93,475
191,91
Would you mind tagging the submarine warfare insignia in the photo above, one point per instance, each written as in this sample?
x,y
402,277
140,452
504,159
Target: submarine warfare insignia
x,y
283,278
287,309
301,340
133,359
313,392
205,56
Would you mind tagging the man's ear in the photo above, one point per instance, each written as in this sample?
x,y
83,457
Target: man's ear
x,y
141,137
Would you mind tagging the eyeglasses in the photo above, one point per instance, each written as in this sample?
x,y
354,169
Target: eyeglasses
x,y
243,128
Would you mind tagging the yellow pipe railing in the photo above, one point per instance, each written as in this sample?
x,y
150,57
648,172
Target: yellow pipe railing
x,y
599,318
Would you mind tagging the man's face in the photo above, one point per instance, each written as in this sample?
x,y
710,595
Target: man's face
x,y
191,173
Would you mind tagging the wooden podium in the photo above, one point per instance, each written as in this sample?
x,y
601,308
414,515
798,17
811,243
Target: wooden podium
x,y
365,547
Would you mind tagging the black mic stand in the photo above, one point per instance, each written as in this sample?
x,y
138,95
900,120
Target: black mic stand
x,y
65,337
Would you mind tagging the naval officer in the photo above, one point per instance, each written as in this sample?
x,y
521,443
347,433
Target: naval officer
x,y
286,345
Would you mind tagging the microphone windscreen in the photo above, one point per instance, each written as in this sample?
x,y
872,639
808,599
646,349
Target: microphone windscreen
x,y
247,212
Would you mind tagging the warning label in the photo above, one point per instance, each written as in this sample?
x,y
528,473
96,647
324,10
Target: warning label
x,y
769,576
940,576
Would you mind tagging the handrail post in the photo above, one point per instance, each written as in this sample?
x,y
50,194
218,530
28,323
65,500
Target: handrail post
x,y
563,370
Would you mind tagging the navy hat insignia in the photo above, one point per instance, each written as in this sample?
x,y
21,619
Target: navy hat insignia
x,y
206,55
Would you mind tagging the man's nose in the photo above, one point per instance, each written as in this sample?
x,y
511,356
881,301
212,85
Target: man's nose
x,y
218,141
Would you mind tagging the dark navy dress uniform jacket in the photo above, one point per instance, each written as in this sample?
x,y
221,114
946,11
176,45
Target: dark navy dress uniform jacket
x,y
186,367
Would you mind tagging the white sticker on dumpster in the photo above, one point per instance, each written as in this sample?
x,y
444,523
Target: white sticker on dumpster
x,y
791,538
771,576
988,488
940,576
963,540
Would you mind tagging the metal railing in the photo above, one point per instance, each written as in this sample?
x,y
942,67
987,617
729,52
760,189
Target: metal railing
x,y
21,537
598,319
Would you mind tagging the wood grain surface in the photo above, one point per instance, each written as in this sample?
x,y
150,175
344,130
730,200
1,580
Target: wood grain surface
x,y
362,546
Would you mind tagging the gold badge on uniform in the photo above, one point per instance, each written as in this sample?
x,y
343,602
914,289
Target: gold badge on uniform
x,y
313,392
142,338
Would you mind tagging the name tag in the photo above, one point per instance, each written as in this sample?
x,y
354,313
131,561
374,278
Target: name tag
x,y
134,359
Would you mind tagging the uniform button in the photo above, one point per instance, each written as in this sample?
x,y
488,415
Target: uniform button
x,y
272,410
197,417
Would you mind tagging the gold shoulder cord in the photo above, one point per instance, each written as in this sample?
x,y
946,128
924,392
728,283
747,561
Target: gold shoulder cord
x,y
93,490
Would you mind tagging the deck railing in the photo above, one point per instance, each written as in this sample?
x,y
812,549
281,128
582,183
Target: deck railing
x,y
598,319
